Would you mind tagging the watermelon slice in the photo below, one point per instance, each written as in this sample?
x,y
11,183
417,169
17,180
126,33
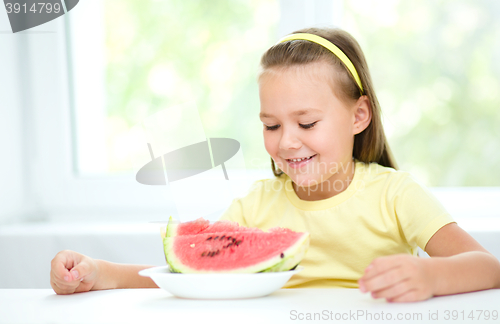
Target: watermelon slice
x,y
201,226
226,247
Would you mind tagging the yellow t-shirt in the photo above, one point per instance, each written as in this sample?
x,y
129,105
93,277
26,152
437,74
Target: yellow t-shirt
x,y
382,212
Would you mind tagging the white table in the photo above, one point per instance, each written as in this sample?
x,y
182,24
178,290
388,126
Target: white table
x,y
283,306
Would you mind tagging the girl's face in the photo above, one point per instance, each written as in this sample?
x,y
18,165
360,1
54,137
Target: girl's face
x,y
304,120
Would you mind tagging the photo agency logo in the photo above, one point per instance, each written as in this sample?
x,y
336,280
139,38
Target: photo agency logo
x,y
201,174
188,161
27,14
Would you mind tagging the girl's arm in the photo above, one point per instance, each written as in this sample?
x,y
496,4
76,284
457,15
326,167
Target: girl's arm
x,y
458,264
74,272
119,276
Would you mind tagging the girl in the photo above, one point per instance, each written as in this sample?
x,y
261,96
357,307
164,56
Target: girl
x,y
335,177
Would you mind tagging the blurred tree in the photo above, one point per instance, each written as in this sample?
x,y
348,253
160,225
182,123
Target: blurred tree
x,y
435,65
162,53
436,69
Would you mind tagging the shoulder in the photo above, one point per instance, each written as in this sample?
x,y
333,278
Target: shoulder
x,y
390,185
378,175
375,170
267,188
249,209
261,192
402,191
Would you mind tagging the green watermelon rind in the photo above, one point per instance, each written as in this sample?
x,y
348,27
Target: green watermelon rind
x,y
291,260
170,232
171,228
296,252
293,255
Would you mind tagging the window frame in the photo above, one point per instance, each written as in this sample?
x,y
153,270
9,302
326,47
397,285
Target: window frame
x,y
61,195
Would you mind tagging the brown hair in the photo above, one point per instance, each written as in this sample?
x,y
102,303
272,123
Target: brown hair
x,y
371,144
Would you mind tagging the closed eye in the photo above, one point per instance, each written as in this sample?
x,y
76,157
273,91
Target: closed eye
x,y
307,126
271,128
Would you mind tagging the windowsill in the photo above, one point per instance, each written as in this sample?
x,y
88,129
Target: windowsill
x,y
71,228
33,245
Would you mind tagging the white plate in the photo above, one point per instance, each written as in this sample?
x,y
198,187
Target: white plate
x,y
218,285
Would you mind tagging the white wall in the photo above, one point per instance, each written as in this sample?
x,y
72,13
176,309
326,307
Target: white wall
x,y
12,182
36,178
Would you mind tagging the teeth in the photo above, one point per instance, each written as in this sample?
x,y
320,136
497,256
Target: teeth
x,y
302,159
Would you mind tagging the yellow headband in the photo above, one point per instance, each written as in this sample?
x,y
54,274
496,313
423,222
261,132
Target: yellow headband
x,y
329,45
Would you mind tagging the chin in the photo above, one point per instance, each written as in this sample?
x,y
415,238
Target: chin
x,y
305,182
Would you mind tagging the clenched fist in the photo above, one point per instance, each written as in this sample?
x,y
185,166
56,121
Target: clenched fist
x,y
73,272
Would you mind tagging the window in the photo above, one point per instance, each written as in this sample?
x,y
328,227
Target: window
x,y
433,66
149,56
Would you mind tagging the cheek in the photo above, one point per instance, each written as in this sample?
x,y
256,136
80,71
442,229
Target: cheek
x,y
270,143
335,138
326,147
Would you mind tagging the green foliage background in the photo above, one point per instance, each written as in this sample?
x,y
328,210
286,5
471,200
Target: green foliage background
x,y
435,65
436,69
163,53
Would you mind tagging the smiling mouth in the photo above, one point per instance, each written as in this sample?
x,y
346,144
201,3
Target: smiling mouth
x,y
301,159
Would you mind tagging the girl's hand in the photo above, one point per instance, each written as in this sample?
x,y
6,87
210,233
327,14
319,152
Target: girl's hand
x,y
73,272
398,278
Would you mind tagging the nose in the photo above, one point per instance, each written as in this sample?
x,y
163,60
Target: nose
x,y
289,140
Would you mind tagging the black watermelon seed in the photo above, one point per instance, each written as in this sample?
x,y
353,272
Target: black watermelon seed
x,y
229,245
229,237
208,239
282,255
238,242
204,253
233,239
216,238
222,237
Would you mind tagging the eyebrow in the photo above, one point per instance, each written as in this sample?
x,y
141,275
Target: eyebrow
x,y
295,113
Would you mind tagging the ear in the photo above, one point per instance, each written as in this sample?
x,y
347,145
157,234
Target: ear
x,y
362,114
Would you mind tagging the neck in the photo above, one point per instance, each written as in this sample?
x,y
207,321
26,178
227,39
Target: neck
x,y
332,186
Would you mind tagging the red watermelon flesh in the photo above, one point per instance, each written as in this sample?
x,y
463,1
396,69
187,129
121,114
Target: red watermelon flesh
x,y
227,247
193,227
201,225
